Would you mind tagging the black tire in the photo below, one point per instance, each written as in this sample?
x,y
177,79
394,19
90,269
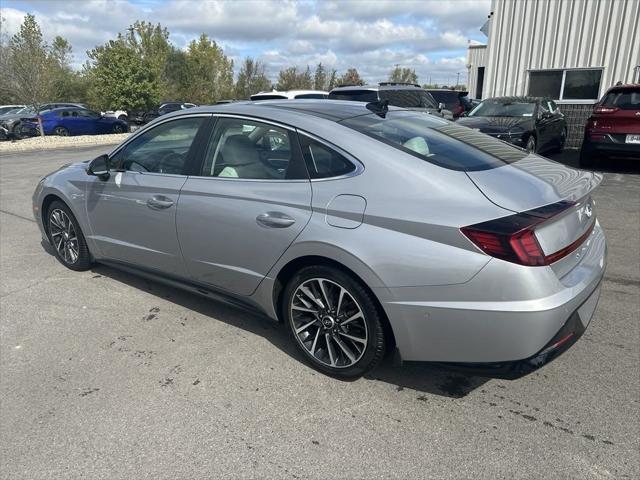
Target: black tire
x,y
351,361
117,128
82,260
123,118
587,159
61,131
531,145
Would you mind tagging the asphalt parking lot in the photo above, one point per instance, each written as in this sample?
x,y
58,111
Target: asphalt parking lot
x,y
106,375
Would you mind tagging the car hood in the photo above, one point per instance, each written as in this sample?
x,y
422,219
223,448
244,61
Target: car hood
x,y
533,182
14,116
497,124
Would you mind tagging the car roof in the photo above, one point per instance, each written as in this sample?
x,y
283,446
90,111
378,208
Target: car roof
x,y
335,110
625,86
290,93
384,86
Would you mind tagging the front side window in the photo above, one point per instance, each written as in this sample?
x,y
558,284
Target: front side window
x,y
163,149
442,143
577,84
247,149
323,161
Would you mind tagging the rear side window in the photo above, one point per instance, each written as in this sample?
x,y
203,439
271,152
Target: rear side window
x,y
322,161
624,99
268,97
311,95
450,99
442,143
355,95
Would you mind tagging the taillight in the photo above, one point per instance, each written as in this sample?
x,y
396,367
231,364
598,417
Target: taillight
x,y
513,238
605,109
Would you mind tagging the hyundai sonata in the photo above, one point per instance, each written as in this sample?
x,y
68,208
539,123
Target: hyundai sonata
x,y
363,228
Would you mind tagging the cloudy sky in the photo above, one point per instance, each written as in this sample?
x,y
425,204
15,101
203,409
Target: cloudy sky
x,y
430,36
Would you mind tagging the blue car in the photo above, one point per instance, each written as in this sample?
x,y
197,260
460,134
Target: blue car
x,y
74,121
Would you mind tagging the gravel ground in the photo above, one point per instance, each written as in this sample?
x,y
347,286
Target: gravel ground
x,y
51,142
106,375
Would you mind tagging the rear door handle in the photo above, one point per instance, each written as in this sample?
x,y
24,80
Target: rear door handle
x,y
159,202
275,220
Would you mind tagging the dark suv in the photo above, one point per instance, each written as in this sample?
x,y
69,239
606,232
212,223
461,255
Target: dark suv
x,y
404,95
614,126
454,100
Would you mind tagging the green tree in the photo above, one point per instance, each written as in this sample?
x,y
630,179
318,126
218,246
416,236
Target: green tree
x,y
333,80
351,77
293,79
320,78
210,72
251,79
28,65
119,77
403,75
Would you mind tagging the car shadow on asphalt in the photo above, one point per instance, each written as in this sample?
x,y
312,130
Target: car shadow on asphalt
x,y
424,378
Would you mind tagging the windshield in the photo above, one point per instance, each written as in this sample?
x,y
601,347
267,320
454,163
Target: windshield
x,y
409,98
501,108
24,110
436,141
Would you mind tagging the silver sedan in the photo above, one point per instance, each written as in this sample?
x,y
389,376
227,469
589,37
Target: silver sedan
x,y
365,229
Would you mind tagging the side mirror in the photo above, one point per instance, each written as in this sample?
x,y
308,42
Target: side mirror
x,y
441,106
99,167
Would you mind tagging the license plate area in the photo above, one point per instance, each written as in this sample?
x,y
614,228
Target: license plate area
x,y
633,138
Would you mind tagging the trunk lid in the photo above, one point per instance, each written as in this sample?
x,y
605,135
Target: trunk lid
x,y
556,194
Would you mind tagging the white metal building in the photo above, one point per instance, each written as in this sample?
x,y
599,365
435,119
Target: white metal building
x,y
569,50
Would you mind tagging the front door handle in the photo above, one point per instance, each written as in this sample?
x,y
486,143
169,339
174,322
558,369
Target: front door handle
x,y
159,202
275,220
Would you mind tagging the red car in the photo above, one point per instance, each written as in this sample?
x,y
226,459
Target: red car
x,y
613,130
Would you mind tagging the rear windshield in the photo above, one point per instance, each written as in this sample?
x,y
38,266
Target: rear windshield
x,y
624,99
446,97
355,95
408,98
268,97
311,95
439,142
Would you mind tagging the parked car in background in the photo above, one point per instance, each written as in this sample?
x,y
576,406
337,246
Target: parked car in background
x,y
74,121
11,122
613,130
291,95
9,108
430,240
119,114
455,100
404,95
533,123
142,116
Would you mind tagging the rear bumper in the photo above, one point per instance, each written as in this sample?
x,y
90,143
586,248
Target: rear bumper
x,y
613,148
569,334
506,316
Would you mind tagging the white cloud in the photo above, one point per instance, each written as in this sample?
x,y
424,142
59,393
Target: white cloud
x,y
373,36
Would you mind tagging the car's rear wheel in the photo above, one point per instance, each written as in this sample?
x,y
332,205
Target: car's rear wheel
x,y
334,321
66,237
531,145
117,129
61,131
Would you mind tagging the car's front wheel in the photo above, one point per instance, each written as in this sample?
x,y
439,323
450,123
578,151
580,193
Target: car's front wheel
x,y
117,128
334,321
531,145
61,131
66,237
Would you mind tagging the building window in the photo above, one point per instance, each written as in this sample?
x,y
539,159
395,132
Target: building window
x,y
577,84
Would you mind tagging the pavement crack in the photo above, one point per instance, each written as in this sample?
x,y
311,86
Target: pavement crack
x,y
18,216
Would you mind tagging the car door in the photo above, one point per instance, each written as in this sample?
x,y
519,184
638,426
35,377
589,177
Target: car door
x,y
244,206
132,214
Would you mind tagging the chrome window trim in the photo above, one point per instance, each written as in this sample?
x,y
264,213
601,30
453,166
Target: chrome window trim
x,y
357,163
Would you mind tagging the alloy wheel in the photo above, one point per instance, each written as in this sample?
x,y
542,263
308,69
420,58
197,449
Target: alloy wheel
x,y
61,131
64,236
328,323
